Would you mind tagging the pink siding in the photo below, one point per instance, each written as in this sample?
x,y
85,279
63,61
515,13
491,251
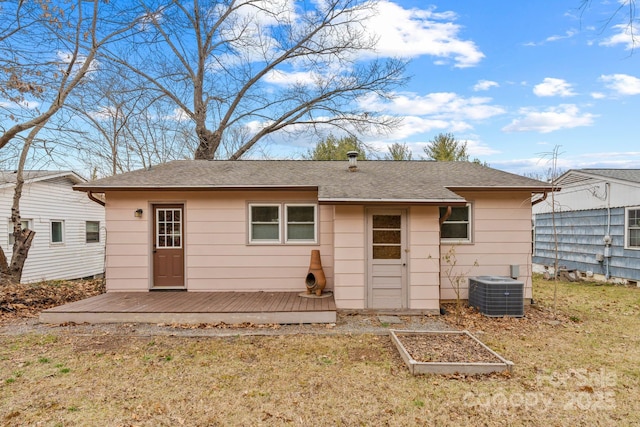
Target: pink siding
x,y
501,237
424,248
127,238
219,258
350,266
217,254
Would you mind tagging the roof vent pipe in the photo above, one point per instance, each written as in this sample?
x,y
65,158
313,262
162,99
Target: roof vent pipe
x,y
353,160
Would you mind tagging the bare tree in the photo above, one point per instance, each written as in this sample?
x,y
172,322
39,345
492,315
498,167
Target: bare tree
x,y
249,68
46,51
620,9
550,175
127,127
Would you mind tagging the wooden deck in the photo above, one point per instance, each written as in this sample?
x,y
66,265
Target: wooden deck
x,y
195,308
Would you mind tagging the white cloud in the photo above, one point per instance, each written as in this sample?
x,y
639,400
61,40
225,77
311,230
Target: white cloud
x,y
553,87
484,85
564,116
24,104
626,35
65,58
441,111
477,148
615,160
414,125
622,84
598,95
414,32
179,115
440,105
568,34
474,148
279,77
104,113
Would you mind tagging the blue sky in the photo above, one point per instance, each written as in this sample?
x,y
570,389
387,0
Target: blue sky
x,y
515,79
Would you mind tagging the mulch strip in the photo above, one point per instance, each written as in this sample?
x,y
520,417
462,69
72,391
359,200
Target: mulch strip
x,y
449,348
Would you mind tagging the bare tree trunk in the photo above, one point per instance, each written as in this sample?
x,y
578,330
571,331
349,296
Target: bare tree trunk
x,y
12,273
208,143
4,267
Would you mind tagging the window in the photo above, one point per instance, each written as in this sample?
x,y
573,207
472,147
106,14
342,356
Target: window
x,y
168,227
458,226
57,231
301,223
387,236
267,224
632,228
92,231
24,224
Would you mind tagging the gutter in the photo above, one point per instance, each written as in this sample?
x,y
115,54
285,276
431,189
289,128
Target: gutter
x,y
541,199
95,199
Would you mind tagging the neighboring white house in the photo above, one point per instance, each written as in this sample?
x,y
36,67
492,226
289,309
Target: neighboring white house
x,y
597,223
70,233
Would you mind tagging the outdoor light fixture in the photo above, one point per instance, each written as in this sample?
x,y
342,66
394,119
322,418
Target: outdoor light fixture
x,y
138,213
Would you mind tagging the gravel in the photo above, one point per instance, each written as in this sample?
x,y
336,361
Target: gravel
x,y
346,324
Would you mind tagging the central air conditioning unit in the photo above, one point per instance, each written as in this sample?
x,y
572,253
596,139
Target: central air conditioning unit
x,y
497,296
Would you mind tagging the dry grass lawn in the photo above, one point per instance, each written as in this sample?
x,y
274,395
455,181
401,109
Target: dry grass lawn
x,y
581,369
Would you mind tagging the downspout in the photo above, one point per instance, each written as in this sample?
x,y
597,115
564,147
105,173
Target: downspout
x,y
104,259
607,238
541,199
95,199
446,215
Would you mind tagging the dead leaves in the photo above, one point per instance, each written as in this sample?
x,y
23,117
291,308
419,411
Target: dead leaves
x,y
221,325
28,300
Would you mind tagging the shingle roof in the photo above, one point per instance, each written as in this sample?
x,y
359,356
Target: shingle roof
x,y
417,181
631,175
8,177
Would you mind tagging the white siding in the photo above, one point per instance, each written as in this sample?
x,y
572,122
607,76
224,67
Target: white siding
x,y
593,194
48,200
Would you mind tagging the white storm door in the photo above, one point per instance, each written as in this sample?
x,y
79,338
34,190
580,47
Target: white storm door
x,y
387,282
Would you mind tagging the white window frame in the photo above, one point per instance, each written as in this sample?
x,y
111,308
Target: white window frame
x,y
283,222
51,232
28,225
315,224
86,239
469,223
252,222
180,222
627,227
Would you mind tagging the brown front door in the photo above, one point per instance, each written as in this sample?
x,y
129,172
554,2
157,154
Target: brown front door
x,y
168,246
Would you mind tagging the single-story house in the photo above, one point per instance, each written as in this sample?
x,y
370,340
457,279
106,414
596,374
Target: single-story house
x,y
382,227
70,234
597,223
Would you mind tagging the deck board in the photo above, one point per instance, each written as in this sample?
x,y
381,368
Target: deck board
x,y
195,307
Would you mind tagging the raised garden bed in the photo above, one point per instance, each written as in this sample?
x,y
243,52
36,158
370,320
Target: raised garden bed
x,y
447,352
